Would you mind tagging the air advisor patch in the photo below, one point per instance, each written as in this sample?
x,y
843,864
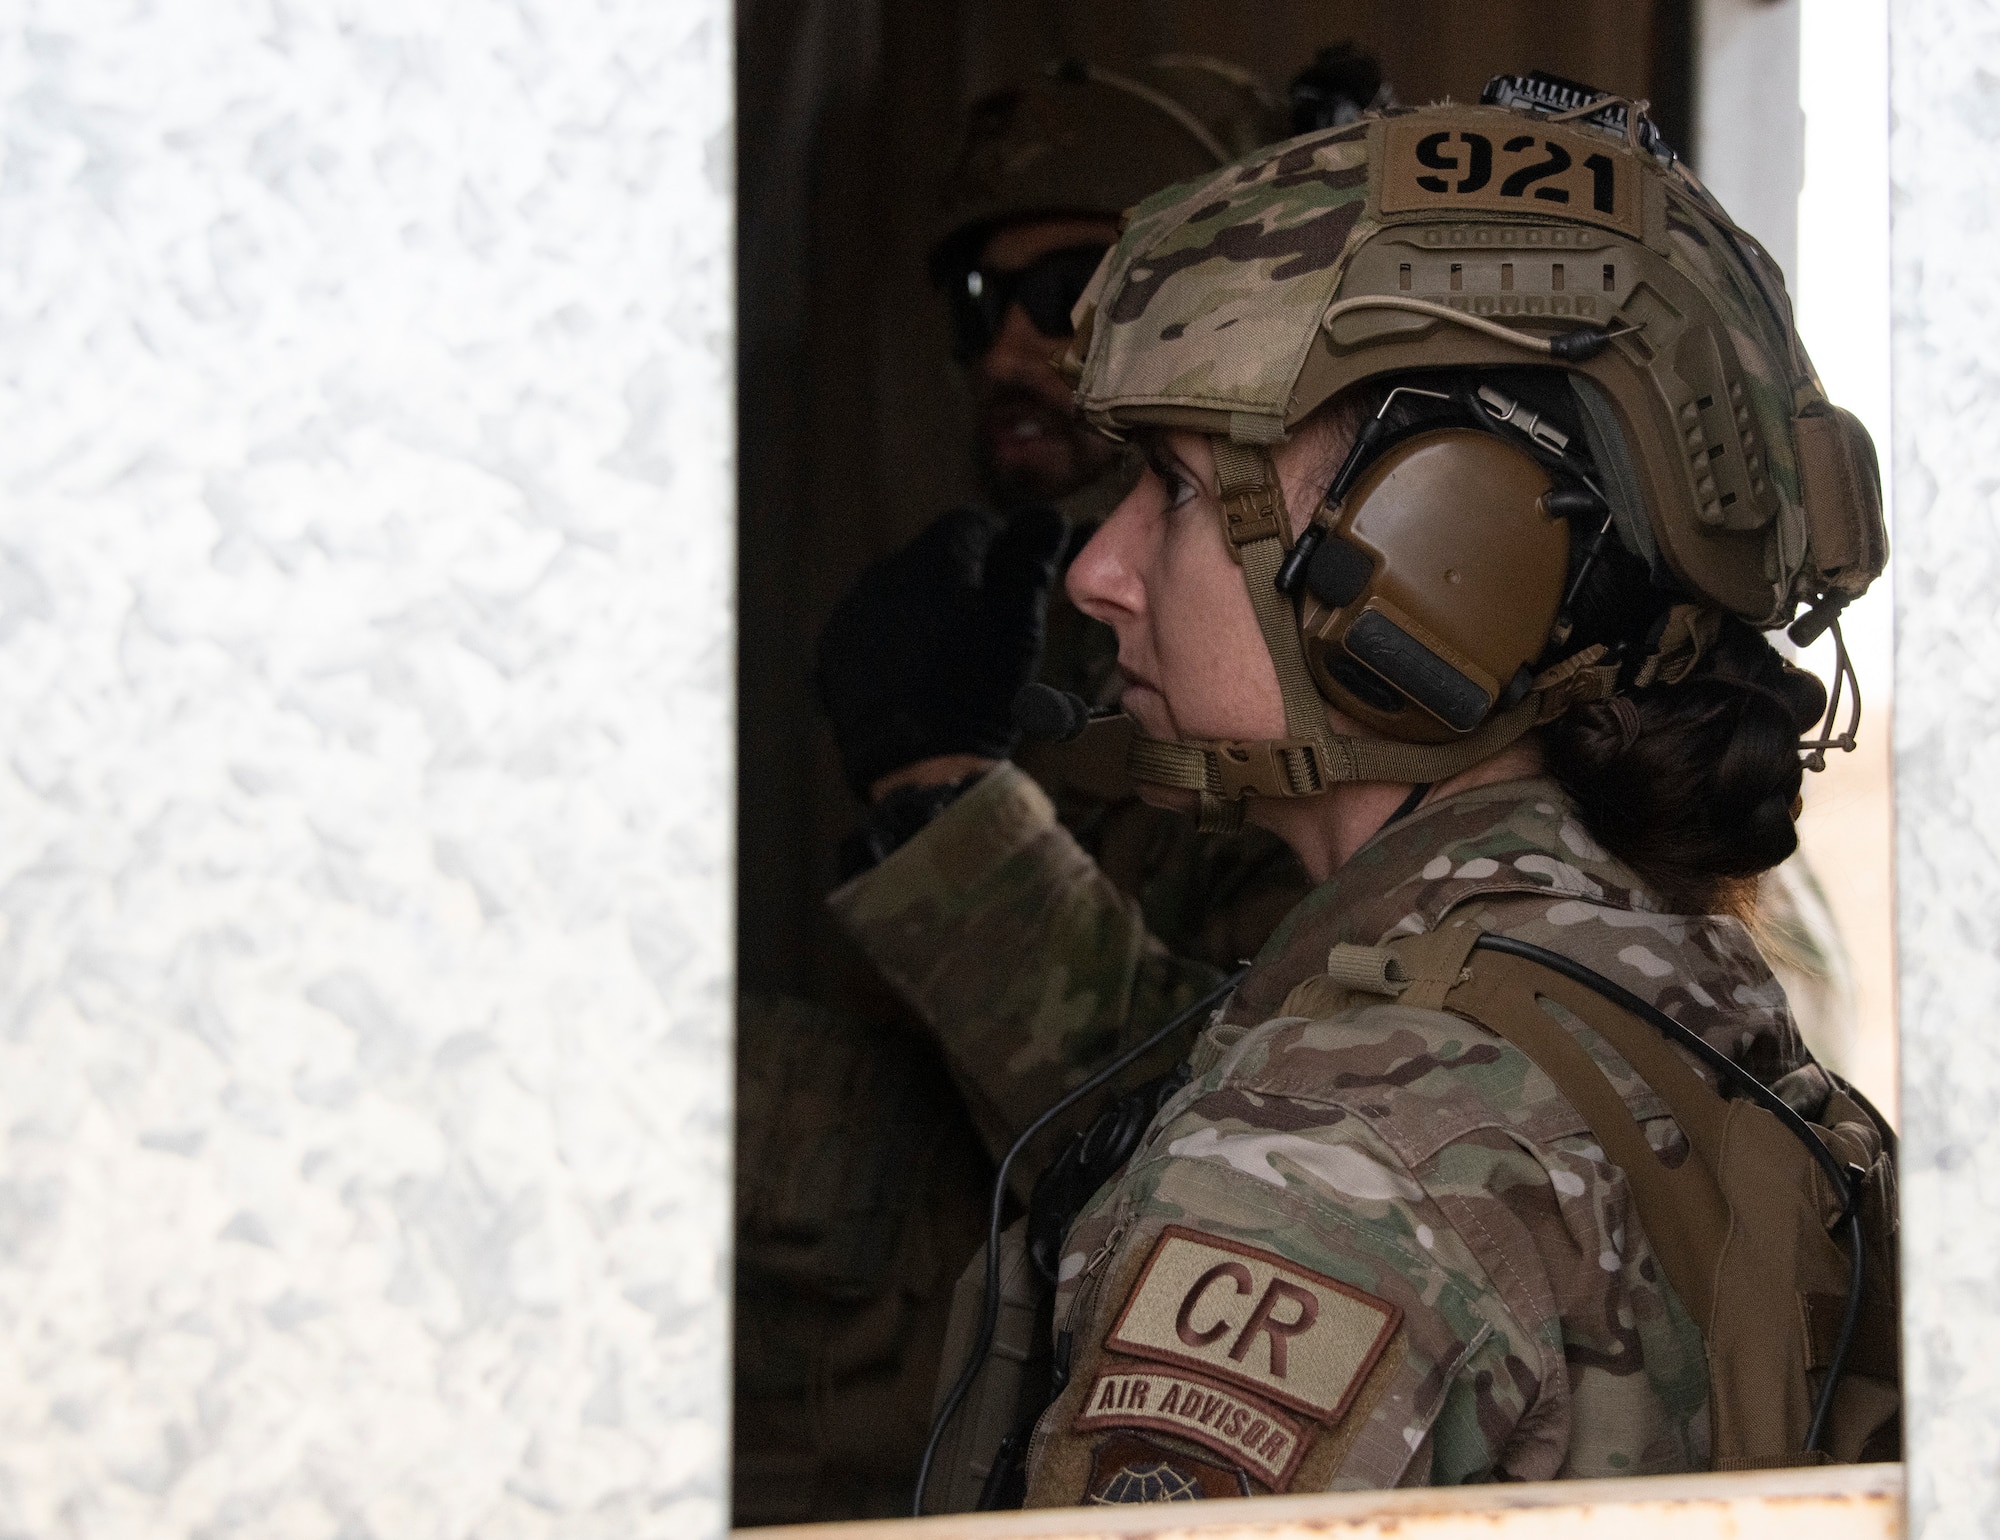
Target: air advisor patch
x,y
1253,1434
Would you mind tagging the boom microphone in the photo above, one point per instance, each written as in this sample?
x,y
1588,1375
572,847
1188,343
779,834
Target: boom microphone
x,y
1052,715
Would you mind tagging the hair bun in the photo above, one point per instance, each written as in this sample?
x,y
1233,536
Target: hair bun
x,y
1700,796
1803,691
1771,830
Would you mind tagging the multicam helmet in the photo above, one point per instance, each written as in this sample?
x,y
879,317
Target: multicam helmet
x,y
1543,227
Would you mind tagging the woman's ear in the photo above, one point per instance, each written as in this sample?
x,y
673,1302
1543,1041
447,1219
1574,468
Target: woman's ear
x,y
1308,461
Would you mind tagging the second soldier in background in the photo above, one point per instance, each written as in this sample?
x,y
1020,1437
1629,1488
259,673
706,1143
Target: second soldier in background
x,y
862,1174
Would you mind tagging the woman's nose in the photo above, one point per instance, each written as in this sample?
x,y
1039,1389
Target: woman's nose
x,y
1104,580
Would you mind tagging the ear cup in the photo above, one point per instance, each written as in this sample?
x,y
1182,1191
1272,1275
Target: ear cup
x,y
1437,583
1339,572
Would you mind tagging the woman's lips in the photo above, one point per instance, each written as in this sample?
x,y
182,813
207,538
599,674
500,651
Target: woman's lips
x,y
1144,704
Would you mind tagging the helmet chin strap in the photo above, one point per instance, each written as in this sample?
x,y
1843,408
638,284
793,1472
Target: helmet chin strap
x,y
1226,772
1311,758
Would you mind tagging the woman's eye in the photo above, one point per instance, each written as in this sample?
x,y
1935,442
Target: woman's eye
x,y
1180,487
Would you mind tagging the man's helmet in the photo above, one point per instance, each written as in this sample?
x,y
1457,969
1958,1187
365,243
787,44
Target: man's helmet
x,y
1440,247
1079,139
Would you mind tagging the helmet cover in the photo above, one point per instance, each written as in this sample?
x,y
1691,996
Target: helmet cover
x,y
1238,303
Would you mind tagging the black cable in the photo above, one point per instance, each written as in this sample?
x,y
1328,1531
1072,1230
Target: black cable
x,y
989,1313
1850,1319
1409,804
1758,1092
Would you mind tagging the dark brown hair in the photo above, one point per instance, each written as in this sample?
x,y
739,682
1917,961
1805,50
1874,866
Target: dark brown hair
x,y
1695,785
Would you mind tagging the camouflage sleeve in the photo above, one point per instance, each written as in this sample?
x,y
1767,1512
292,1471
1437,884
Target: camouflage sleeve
x,y
1028,964
1294,1287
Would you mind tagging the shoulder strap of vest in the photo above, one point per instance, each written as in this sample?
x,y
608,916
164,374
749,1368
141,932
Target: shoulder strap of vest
x,y
1683,1208
1742,1246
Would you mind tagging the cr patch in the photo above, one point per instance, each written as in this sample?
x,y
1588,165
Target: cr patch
x,y
1250,1318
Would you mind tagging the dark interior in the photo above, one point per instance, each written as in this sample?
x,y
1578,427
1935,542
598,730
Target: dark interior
x,y
854,424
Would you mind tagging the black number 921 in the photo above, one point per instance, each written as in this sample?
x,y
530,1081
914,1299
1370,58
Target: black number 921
x,y
1469,157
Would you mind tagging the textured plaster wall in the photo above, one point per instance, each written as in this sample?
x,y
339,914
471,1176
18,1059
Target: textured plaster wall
x,y
1945,104
365,540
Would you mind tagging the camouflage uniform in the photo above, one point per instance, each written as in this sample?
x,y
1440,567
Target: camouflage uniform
x,y
1030,964
1404,1182
859,1193
863,1176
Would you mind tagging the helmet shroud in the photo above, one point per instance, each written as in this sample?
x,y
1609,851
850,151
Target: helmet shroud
x,y
1463,239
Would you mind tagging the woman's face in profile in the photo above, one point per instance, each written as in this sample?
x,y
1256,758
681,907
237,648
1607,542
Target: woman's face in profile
x,y
1161,575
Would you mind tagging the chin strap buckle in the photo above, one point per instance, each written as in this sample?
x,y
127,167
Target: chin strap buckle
x,y
1267,767
1253,504
1229,770
1255,513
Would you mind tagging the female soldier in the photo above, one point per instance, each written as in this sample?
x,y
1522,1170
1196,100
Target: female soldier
x,y
1481,447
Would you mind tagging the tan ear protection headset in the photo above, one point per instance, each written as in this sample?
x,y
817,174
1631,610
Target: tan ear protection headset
x,y
1433,576
1416,602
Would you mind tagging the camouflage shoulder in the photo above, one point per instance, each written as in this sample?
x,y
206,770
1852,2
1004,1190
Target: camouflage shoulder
x,y
1377,1162
1531,1194
1268,1300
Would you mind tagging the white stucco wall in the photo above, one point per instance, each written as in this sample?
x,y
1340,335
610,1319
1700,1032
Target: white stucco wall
x,y
1945,113
365,550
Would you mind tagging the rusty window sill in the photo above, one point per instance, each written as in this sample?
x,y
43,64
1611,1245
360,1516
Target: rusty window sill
x,y
1849,1502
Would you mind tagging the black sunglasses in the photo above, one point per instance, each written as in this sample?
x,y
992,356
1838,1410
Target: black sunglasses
x,y
1047,289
